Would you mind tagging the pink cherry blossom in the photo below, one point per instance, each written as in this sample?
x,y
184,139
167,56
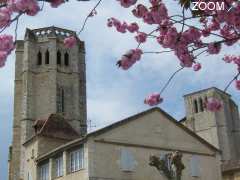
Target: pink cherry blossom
x,y
122,27
141,37
153,99
6,47
133,27
3,57
197,67
214,48
170,38
127,3
130,58
56,3
213,104
30,7
227,59
140,11
7,43
237,84
5,17
70,42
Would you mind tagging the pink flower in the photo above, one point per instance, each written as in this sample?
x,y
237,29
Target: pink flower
x,y
228,59
133,27
7,43
191,35
155,2
214,48
159,12
70,42
31,7
153,99
148,18
141,37
127,3
130,58
140,11
137,54
237,84
6,46
120,27
206,32
170,38
56,3
3,57
5,17
213,105
197,67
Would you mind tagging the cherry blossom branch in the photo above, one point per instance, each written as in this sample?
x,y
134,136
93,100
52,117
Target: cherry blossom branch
x,y
170,79
157,52
229,84
180,22
88,16
16,28
14,19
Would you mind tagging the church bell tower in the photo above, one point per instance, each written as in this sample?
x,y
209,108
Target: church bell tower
x,y
49,79
222,128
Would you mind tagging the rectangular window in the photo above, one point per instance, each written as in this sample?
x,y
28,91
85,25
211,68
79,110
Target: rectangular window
x,y
195,166
44,172
77,159
127,160
59,166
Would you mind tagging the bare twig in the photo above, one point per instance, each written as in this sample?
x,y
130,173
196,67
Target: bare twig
x,y
16,28
89,15
157,52
235,78
170,79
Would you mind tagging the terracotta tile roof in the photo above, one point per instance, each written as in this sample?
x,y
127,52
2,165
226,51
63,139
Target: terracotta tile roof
x,y
56,127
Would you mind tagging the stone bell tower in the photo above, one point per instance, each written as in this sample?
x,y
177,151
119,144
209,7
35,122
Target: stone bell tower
x,y
221,129
49,78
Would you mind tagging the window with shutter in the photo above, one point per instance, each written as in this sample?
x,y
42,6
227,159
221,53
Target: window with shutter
x,y
195,166
127,161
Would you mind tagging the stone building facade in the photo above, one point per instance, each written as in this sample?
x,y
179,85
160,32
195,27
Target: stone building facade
x,y
49,79
121,151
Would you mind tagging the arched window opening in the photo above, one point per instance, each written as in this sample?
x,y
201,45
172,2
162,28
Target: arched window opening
x,y
39,58
195,106
201,104
66,59
58,58
47,57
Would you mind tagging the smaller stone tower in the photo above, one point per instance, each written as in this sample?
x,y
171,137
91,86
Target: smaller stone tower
x,y
221,129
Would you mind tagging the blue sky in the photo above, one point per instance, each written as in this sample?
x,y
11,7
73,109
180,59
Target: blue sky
x,y
113,94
